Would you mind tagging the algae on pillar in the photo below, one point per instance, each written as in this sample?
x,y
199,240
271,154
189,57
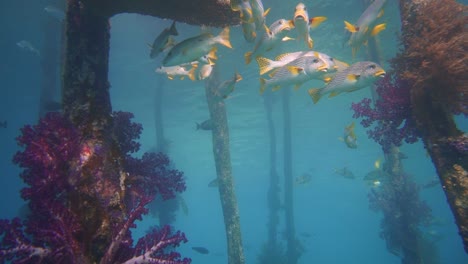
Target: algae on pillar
x,y
433,61
221,152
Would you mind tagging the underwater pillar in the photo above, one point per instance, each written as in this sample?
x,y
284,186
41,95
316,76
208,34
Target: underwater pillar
x,y
273,196
220,132
161,142
438,127
85,94
292,254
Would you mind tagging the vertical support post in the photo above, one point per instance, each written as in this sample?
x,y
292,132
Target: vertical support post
x,y
220,132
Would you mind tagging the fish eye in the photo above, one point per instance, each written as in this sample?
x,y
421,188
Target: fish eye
x,y
372,66
331,59
305,8
280,22
315,61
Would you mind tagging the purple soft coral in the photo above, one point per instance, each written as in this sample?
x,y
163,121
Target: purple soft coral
x,y
391,111
71,221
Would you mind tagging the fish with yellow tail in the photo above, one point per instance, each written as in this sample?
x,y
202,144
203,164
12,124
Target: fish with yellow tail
x,y
258,13
349,137
193,48
366,25
246,17
355,77
295,73
163,41
266,65
177,71
272,36
303,24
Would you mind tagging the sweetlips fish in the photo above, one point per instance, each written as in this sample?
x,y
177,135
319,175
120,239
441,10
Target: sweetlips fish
x,y
258,13
193,48
272,36
355,77
266,65
163,41
303,24
349,137
366,25
296,73
205,125
246,17
177,71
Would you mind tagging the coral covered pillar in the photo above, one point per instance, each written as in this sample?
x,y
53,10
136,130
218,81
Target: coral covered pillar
x,y
439,91
222,157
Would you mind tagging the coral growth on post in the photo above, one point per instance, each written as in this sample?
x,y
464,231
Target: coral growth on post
x,y
391,113
81,208
398,199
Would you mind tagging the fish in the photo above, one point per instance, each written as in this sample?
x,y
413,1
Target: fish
x,y
357,76
193,48
273,36
366,26
3,124
227,87
201,250
203,71
163,41
266,65
247,19
295,73
26,45
349,136
345,172
177,71
303,179
55,12
205,125
303,24
258,13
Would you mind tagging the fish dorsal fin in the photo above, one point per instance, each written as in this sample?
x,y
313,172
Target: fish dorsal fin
x,y
281,56
315,21
295,69
353,77
350,27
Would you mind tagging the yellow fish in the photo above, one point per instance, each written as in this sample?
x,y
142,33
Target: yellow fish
x,y
366,25
355,77
295,73
303,24
349,136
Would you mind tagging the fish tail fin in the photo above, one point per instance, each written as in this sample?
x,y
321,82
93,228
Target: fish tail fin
x,y
237,77
314,94
264,65
315,21
197,126
350,27
191,74
173,29
378,28
262,85
223,38
248,57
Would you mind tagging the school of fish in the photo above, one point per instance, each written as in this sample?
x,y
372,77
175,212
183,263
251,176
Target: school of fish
x,y
195,57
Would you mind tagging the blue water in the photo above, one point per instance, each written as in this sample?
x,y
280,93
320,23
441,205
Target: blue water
x,y
332,209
